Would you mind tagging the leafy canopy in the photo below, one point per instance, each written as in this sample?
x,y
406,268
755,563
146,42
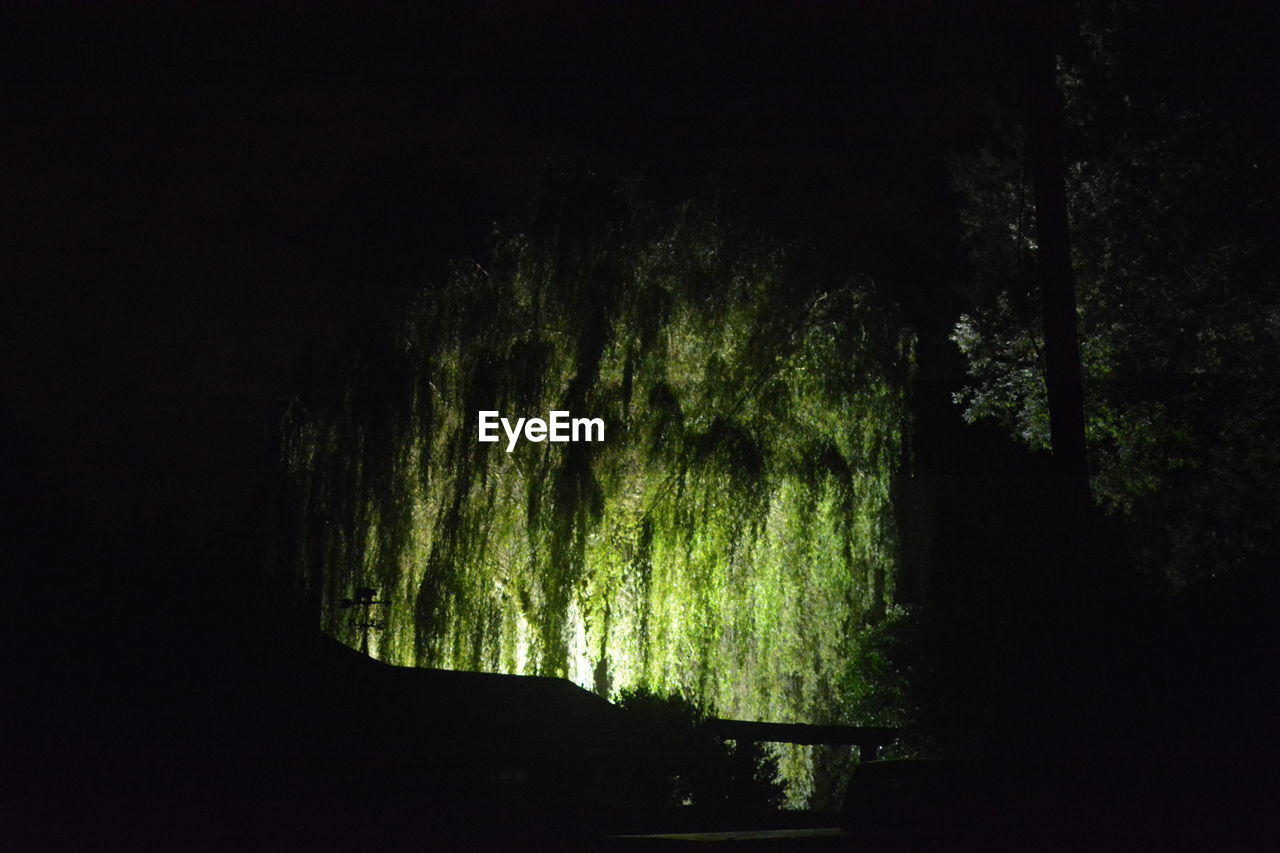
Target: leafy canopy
x,y
1179,305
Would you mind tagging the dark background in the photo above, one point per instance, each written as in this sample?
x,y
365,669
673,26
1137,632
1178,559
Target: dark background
x,y
197,195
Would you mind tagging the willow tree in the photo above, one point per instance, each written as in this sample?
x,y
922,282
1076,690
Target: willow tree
x,y
728,537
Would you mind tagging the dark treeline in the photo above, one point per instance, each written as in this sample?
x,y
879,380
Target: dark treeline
x,y
1131,633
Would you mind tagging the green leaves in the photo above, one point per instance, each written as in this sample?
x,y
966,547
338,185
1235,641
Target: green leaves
x,y
719,540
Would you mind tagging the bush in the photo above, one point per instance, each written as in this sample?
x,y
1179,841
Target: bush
x,y
690,766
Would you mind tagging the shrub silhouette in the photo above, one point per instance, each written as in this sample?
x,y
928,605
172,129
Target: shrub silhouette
x,y
689,765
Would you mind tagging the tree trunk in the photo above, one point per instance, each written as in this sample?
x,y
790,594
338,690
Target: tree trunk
x,y
1057,281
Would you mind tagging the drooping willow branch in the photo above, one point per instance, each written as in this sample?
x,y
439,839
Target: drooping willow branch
x,y
724,539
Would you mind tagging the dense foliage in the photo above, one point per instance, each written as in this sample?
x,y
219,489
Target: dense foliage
x,y
727,539
1179,305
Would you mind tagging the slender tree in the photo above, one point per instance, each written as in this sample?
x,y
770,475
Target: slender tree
x,y
1044,132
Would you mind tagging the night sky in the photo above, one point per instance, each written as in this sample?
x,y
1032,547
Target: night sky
x,y
199,195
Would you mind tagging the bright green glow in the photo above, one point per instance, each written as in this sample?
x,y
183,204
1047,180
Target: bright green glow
x,y
728,537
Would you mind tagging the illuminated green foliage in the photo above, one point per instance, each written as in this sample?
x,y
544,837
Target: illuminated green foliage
x,y
726,540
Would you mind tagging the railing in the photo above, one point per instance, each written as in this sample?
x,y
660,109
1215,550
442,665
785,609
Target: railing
x,y
868,739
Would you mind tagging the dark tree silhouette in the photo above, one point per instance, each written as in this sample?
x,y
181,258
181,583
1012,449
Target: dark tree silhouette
x,y
1045,126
